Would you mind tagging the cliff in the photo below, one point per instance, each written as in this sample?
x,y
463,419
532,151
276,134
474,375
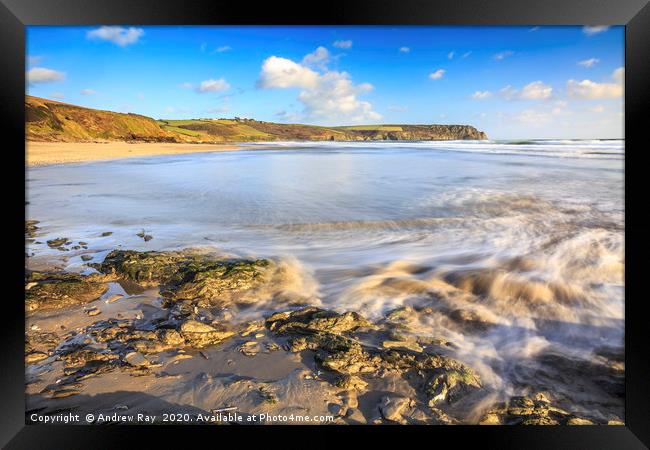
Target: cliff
x,y
48,120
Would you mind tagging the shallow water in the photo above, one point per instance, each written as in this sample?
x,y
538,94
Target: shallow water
x,y
527,236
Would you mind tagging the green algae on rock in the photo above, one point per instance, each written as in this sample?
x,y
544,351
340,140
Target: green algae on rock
x,y
329,335
531,410
202,278
58,290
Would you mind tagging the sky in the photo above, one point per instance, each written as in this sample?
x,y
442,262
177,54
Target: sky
x,y
518,82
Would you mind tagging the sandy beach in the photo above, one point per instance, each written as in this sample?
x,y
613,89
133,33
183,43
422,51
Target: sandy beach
x,y
46,153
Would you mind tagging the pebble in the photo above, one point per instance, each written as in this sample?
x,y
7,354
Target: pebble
x,y
136,359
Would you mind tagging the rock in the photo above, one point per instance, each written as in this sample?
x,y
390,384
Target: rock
x,y
136,359
194,326
86,257
350,399
391,408
451,384
197,334
34,357
250,348
336,409
93,312
58,290
106,233
186,276
311,319
413,346
31,228
58,242
147,237
530,410
351,382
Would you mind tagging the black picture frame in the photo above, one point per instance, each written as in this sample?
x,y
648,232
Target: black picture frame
x,y
634,14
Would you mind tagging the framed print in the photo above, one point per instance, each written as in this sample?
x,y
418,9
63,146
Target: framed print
x,y
391,219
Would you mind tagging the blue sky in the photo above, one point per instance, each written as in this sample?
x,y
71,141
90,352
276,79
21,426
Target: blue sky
x,y
512,82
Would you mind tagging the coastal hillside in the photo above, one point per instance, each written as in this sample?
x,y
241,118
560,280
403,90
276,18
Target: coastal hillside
x,y
48,120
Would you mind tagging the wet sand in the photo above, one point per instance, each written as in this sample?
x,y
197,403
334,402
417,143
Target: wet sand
x,y
46,153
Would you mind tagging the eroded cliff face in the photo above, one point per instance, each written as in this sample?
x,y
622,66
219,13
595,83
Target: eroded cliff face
x,y
422,133
48,120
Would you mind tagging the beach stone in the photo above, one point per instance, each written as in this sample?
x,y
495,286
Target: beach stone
x,y
86,257
250,348
391,408
31,228
58,242
93,312
197,334
136,359
106,233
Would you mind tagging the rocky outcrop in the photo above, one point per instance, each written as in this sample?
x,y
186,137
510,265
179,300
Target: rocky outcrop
x,y
331,336
59,290
204,280
531,410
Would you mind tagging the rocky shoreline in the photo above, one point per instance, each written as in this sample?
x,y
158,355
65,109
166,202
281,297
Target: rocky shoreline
x,y
175,344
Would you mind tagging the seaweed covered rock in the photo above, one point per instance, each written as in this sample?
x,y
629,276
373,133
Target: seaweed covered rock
x,y
31,228
330,336
58,290
310,320
187,276
530,410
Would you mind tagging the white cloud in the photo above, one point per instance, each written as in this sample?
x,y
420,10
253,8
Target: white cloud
x,y
589,62
536,91
508,92
397,108
283,73
450,55
405,49
342,44
466,54
57,95
186,85
503,55
44,75
591,90
318,58
619,75
223,48
437,74
117,35
481,95
214,85
326,95
88,92
590,31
